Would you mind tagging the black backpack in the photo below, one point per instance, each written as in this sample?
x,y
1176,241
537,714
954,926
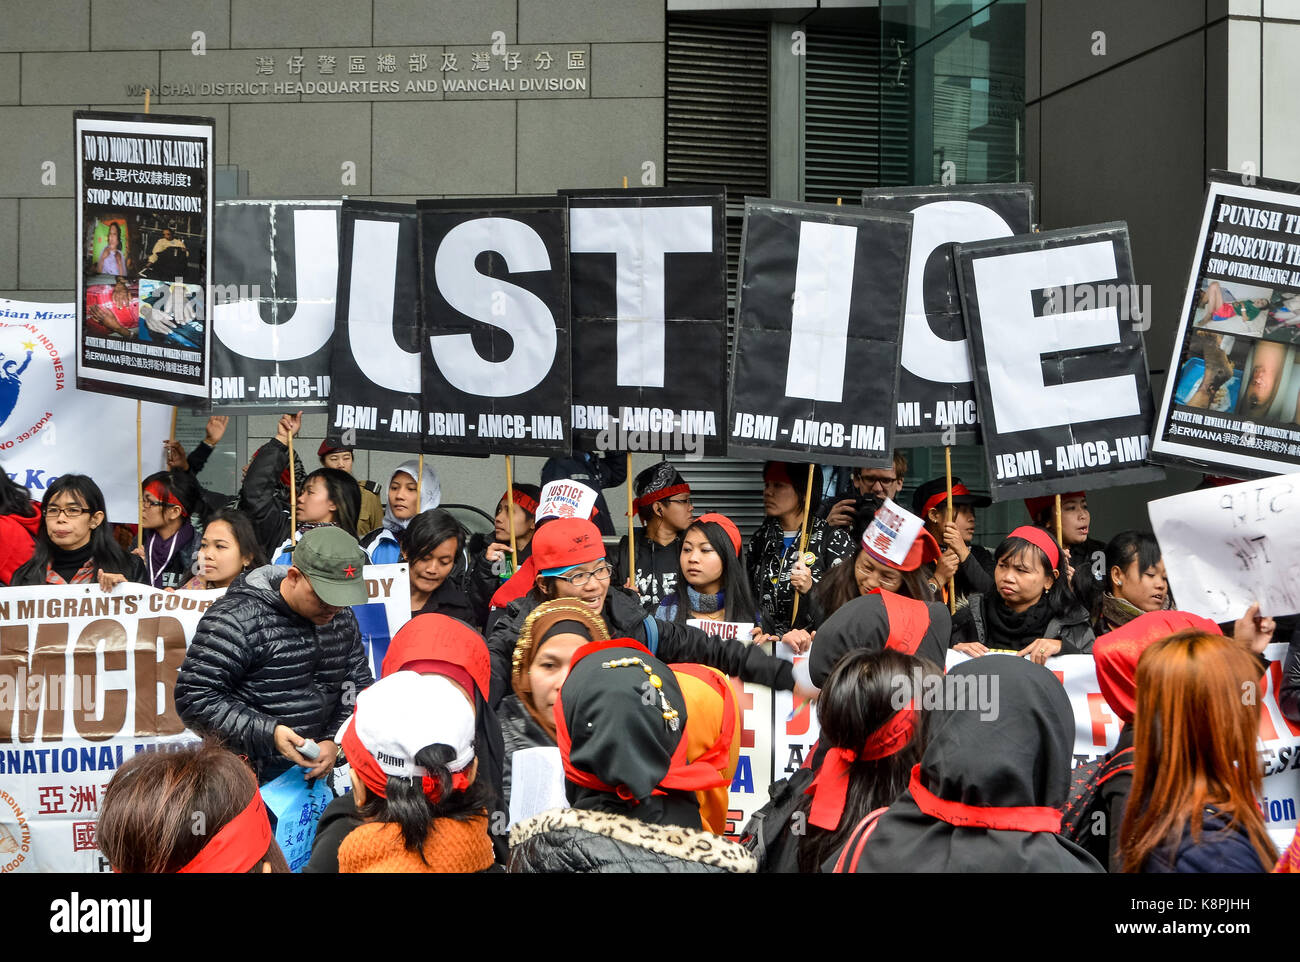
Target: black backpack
x,y
768,834
1085,801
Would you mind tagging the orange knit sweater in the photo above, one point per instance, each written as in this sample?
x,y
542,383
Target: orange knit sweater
x,y
451,846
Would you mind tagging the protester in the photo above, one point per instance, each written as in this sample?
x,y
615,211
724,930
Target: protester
x,y
333,453
663,503
1033,613
872,745
171,539
227,548
194,462
20,526
1196,776
868,487
75,546
406,499
278,659
713,736
431,545
711,576
571,563
492,565
552,632
147,816
410,745
1135,580
596,470
1087,556
987,794
967,565
327,496
623,746
776,569
264,495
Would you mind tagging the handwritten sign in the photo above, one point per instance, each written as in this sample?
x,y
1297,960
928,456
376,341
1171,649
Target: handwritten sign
x,y
1225,548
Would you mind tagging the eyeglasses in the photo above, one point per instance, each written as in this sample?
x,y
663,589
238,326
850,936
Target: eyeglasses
x,y
870,482
686,501
151,503
582,577
72,511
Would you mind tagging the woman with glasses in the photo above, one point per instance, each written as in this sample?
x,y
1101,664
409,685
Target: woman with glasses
x,y
571,563
170,540
75,545
663,503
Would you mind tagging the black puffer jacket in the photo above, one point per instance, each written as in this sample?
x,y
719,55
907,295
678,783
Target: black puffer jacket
x,y
255,664
579,840
264,499
667,641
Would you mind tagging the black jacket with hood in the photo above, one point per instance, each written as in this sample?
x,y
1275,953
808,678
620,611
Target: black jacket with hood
x,y
254,664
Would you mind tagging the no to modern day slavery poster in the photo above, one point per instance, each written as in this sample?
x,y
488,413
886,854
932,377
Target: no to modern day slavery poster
x,y
144,220
1230,403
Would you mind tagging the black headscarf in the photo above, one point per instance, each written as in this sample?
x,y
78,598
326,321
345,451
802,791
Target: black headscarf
x,y
1017,764
622,736
864,623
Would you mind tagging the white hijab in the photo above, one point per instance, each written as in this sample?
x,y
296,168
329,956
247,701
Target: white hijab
x,y
430,493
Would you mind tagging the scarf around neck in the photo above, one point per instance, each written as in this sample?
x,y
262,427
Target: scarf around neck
x,y
704,604
1007,626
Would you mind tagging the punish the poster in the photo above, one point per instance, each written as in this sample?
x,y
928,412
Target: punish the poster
x,y
143,255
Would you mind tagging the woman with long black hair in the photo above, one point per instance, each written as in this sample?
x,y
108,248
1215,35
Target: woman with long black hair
x,y
1034,614
328,496
75,545
1135,581
170,539
711,580
20,525
431,545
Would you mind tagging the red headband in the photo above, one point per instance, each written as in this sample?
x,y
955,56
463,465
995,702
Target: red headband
x,y
830,788
376,779
942,496
727,525
240,844
650,497
1024,818
159,493
1039,537
718,755
523,499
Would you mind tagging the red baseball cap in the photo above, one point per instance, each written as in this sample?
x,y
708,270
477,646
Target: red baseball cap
x,y
565,542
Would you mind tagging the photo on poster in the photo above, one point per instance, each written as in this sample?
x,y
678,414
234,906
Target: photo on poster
x,y
144,213
1230,406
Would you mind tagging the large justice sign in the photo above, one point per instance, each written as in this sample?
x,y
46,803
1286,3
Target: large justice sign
x,y
1059,360
818,320
936,393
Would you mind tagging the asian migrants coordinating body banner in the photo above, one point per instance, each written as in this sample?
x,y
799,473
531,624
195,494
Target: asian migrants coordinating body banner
x,y
649,291
144,255
1059,360
1230,403
275,267
818,319
495,285
936,392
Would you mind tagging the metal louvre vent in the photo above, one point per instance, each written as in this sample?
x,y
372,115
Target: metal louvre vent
x,y
727,486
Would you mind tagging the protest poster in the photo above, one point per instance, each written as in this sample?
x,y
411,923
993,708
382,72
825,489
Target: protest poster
x,y
375,384
1230,402
49,427
144,255
1097,728
1059,360
275,266
495,285
86,683
818,318
649,291
1228,547
936,393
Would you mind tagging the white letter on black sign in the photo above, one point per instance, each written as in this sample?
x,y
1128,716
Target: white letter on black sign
x,y
526,318
1015,339
316,269
819,328
639,237
924,353
370,309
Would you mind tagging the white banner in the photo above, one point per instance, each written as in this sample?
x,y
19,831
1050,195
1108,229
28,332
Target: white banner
x,y
1097,731
86,682
49,428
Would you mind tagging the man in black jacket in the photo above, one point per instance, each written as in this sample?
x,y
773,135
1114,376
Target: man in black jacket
x,y
278,659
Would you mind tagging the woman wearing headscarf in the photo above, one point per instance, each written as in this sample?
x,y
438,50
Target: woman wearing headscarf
x,y
552,632
621,725
407,497
987,794
713,734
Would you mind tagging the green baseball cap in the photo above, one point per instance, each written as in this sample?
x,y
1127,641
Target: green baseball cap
x,y
332,561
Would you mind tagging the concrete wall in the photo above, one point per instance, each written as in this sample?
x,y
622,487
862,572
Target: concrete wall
x,y
57,56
